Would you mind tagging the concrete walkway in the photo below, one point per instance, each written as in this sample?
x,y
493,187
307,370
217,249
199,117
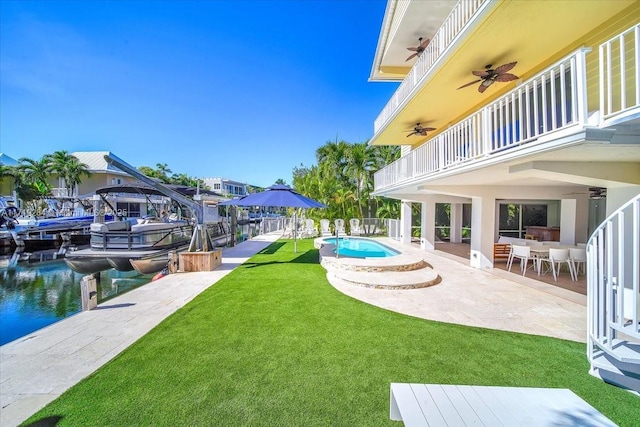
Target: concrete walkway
x,y
37,368
490,298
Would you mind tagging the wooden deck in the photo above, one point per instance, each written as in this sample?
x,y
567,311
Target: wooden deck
x,y
464,405
564,281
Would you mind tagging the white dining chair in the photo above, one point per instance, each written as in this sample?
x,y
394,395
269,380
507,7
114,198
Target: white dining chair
x,y
578,257
523,253
555,259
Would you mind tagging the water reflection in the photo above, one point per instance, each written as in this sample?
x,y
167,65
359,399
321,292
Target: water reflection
x,y
38,289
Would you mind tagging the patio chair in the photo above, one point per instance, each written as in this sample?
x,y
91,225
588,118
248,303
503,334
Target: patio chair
x,y
354,226
555,259
339,223
578,257
324,227
310,229
523,253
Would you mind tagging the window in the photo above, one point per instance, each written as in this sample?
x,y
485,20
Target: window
x,y
515,218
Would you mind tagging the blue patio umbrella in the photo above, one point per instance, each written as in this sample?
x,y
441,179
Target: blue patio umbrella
x,y
278,196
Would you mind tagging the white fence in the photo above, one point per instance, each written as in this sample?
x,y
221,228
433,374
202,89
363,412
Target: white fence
x,y
550,101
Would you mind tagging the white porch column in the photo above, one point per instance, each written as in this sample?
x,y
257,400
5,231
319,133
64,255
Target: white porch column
x,y
568,214
455,223
405,222
483,211
428,226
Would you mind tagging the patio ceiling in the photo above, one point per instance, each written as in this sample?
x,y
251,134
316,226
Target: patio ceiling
x,y
533,33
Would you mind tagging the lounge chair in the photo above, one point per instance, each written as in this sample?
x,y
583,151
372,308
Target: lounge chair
x,y
310,229
354,226
324,227
339,223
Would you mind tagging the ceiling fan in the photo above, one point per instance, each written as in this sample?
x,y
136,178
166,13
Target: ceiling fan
x,y
420,130
489,75
422,45
595,193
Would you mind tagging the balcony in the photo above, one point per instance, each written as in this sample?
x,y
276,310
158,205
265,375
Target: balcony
x,y
550,102
454,25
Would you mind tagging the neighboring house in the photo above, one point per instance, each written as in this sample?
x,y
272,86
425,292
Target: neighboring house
x,y
557,133
7,185
227,187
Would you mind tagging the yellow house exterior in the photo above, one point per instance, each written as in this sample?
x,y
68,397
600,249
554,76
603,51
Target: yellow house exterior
x,y
546,137
523,103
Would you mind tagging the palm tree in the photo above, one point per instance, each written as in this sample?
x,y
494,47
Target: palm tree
x,y
163,172
74,169
36,172
359,167
58,164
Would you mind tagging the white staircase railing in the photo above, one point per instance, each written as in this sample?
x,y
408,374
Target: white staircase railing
x,y
613,297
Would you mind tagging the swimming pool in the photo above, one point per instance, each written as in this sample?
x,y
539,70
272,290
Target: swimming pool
x,y
360,248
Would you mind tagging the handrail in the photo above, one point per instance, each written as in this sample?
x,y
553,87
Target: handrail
x,y
620,90
518,118
613,281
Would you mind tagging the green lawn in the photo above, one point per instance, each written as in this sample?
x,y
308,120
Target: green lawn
x,y
274,344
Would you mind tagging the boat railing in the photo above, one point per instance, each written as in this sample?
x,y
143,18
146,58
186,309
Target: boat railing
x,y
142,239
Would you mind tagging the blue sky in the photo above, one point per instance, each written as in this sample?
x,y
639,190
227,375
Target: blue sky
x,y
246,90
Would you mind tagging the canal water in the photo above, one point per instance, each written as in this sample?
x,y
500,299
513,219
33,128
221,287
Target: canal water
x,y
38,289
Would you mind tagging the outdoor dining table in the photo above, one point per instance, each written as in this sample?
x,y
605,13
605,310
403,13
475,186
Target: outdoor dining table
x,y
540,250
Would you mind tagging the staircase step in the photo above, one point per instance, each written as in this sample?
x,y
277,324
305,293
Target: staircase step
x,y
615,372
393,280
622,350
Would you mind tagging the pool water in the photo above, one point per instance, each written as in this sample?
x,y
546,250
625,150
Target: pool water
x,y
361,248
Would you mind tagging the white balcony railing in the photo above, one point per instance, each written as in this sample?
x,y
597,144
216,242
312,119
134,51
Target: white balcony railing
x,y
554,99
620,76
453,25
613,297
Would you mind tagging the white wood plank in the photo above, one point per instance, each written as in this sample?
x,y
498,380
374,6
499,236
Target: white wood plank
x,y
445,406
518,405
501,409
485,412
428,406
457,405
466,412
407,405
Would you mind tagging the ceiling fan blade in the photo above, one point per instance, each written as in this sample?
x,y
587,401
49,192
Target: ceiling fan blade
x,y
506,67
483,73
484,85
428,129
507,77
410,134
415,49
411,57
425,43
470,83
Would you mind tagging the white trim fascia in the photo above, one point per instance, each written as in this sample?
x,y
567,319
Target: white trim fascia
x,y
382,41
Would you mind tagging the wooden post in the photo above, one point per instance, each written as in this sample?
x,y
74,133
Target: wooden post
x,y
89,293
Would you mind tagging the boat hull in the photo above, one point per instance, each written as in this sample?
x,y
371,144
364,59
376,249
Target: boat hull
x,y
149,266
120,263
88,265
